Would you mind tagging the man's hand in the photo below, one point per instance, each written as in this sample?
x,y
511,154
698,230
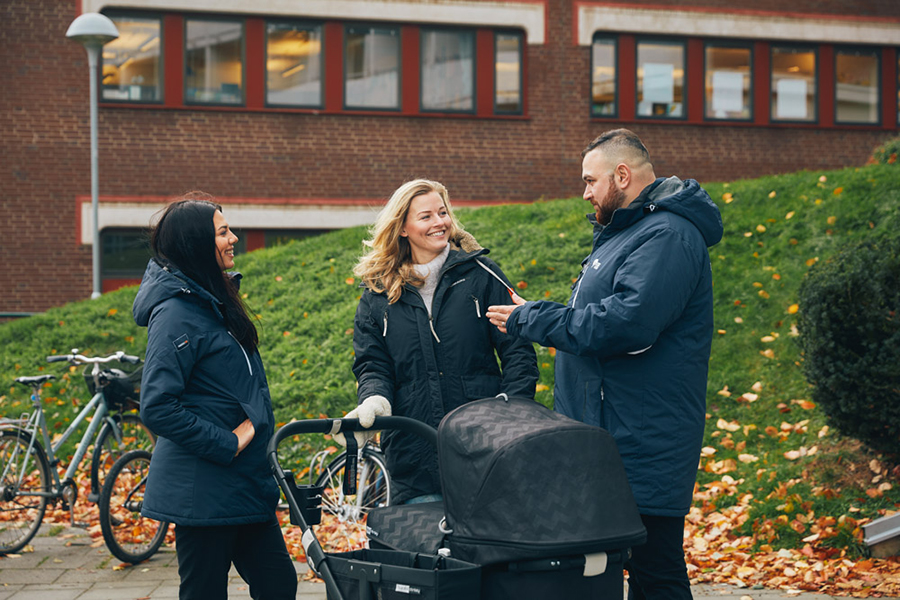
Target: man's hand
x,y
244,432
498,315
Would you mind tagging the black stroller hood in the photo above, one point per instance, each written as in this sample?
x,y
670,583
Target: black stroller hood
x,y
522,481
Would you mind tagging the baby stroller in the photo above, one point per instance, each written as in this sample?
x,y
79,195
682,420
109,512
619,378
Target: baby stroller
x,y
369,573
539,501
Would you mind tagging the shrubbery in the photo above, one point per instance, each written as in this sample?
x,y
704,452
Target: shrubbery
x,y
850,334
886,154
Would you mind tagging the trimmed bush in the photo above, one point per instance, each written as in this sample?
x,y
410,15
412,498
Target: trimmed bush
x,y
850,334
886,154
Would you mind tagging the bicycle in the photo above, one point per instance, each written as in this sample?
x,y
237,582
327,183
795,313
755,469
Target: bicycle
x,y
130,537
27,480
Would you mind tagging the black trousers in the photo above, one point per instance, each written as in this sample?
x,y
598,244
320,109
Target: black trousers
x,y
205,555
656,570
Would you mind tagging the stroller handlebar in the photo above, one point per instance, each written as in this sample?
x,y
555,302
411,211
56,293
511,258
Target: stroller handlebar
x,y
333,426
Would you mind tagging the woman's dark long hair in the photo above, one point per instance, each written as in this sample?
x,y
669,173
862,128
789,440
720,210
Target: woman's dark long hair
x,y
185,237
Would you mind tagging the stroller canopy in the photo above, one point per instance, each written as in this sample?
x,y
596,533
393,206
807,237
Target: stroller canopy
x,y
521,480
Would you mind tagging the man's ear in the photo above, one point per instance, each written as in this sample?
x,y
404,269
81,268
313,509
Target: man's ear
x,y
622,176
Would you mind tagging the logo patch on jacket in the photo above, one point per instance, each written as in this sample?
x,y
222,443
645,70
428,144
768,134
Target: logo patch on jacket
x,y
182,342
596,264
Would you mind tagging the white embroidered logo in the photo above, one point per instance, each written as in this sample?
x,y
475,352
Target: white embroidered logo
x,y
596,264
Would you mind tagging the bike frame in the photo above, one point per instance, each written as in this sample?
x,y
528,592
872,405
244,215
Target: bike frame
x,y
37,422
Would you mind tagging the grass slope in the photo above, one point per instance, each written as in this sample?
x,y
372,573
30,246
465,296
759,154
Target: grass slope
x,y
763,437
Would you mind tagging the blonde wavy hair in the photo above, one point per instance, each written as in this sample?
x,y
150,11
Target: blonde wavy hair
x,y
388,265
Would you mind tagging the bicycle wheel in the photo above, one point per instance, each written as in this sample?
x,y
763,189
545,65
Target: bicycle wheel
x,y
107,449
22,475
130,537
373,486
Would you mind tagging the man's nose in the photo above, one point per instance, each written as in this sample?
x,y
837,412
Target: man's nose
x,y
587,192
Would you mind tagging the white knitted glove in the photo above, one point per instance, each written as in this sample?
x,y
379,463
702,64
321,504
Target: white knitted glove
x,y
371,407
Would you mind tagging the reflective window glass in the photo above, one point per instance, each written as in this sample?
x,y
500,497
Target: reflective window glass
x,y
372,68
214,62
131,63
603,77
448,70
793,84
857,86
293,64
124,253
660,80
508,73
728,82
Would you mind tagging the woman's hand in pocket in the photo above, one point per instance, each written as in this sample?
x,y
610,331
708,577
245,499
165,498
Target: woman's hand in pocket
x,y
244,432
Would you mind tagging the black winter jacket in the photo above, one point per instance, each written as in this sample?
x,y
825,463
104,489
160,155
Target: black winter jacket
x,y
199,384
426,368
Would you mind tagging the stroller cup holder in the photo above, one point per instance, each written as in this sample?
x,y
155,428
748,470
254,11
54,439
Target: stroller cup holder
x,y
308,499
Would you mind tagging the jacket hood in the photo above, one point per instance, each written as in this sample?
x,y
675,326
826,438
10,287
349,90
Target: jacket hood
x,y
163,282
465,242
686,199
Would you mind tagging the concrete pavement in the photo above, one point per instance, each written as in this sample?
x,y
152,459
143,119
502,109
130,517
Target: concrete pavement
x,y
67,565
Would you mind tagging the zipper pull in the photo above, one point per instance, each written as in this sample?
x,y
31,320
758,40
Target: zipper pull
x,y
433,332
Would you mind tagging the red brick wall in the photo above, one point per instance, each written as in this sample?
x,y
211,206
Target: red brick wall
x,y
45,152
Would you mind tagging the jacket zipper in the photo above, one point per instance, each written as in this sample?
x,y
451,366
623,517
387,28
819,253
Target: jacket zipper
x,y
247,358
477,307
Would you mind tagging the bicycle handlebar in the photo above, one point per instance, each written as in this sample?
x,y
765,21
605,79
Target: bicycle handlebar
x,y
80,359
346,425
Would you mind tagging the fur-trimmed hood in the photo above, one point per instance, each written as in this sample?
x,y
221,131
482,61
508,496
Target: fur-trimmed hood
x,y
465,242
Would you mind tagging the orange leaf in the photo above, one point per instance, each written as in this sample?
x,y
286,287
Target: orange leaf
x,y
838,191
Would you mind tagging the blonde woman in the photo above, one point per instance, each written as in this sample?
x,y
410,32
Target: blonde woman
x,y
423,344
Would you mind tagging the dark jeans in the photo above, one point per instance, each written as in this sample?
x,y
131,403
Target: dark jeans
x,y
656,570
205,555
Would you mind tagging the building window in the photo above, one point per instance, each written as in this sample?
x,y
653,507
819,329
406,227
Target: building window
x,y
728,82
123,252
448,70
293,64
603,77
131,63
214,62
793,84
857,91
660,80
508,73
372,68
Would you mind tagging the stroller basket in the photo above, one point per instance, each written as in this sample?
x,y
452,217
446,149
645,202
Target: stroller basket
x,y
369,574
387,574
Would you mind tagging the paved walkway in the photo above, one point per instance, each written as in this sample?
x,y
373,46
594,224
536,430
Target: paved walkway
x,y
65,566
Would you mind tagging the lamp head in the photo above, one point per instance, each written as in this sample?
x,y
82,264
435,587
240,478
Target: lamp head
x,y
92,29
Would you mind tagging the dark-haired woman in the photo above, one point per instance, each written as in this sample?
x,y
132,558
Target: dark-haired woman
x,y
204,393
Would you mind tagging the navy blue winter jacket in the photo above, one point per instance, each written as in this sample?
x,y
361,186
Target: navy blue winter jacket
x,y
199,384
634,339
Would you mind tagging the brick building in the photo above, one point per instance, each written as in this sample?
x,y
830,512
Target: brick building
x,y
304,116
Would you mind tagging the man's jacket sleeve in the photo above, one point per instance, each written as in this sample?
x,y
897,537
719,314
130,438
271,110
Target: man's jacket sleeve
x,y
650,290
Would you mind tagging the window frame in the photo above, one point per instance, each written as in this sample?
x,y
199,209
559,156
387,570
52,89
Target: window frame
x,y
614,38
371,25
521,36
879,91
817,97
125,14
423,29
184,59
320,26
751,92
682,43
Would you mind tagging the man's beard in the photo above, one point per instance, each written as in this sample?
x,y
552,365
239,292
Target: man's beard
x,y
615,198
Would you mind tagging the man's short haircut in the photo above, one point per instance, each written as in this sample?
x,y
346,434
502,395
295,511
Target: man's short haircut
x,y
621,145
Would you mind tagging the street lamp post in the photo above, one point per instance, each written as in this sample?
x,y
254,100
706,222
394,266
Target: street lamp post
x,y
92,30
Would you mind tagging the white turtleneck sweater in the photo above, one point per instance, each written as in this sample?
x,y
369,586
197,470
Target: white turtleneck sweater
x,y
430,272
